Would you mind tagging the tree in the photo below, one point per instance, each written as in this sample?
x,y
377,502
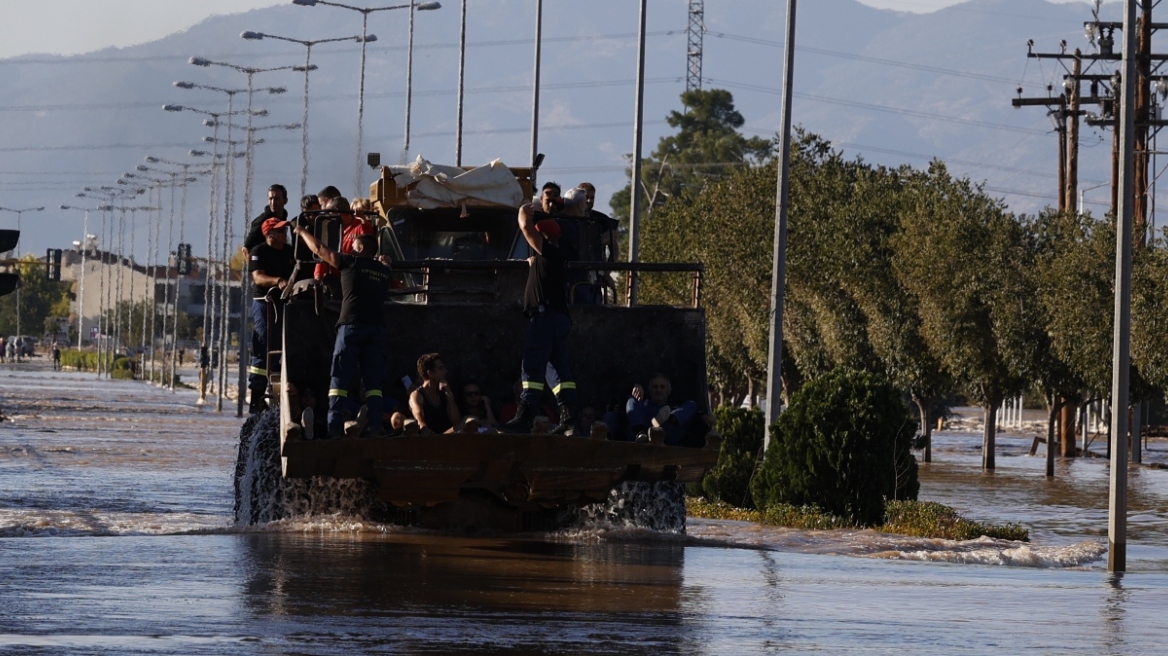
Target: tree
x,y
961,256
1074,279
707,145
38,298
844,445
866,228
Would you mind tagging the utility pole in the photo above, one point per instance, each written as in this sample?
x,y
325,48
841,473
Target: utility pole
x,y
1121,342
1105,90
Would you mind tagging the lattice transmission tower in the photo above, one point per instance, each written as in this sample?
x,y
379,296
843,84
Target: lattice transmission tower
x,y
694,33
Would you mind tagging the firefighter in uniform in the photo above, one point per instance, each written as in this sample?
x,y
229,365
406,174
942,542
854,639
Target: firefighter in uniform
x,y
272,263
545,302
361,334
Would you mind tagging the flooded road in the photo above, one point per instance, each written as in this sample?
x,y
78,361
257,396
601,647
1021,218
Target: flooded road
x,y
116,538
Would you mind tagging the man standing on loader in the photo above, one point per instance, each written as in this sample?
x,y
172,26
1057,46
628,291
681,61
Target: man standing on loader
x,y
545,302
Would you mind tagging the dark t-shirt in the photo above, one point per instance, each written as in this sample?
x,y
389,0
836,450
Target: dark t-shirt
x,y
546,283
255,234
364,282
276,262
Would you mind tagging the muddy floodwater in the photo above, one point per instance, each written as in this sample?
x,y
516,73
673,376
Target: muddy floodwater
x,y
116,537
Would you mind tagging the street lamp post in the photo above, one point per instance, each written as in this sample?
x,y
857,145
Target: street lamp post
x,y
107,193
228,237
81,278
182,211
369,38
308,67
152,268
227,187
245,279
250,72
19,214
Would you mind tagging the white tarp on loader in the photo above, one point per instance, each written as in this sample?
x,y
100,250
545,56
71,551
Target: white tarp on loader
x,y
492,184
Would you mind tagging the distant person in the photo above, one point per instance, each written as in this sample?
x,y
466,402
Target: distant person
x,y
56,357
432,402
361,335
204,371
271,271
545,303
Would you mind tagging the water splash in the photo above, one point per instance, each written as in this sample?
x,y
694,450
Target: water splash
x,y
988,551
263,495
654,506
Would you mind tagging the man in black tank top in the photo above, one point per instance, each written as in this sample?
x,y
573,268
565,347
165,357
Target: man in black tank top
x,y
545,302
361,334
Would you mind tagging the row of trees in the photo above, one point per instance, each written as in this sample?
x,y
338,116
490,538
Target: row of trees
x,y
39,298
42,300
912,273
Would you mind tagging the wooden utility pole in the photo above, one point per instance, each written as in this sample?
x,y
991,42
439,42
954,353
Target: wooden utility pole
x,y
1143,106
1073,92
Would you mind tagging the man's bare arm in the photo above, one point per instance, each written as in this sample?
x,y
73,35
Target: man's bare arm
x,y
527,227
325,253
261,279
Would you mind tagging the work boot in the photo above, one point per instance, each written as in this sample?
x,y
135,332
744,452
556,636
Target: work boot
x,y
354,428
257,404
521,422
567,421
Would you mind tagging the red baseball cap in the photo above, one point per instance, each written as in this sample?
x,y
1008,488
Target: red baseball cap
x,y
549,227
273,224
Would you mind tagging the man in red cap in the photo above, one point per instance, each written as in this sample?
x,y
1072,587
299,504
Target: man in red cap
x,y
271,267
545,302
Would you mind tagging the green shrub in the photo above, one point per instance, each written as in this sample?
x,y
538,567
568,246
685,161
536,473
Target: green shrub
x,y
934,520
729,480
844,445
925,519
79,360
121,370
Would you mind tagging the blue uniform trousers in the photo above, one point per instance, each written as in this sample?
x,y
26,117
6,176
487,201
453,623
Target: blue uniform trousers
x,y
257,373
547,343
358,347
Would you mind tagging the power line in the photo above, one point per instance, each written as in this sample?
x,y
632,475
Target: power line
x,y
881,108
347,97
327,50
865,58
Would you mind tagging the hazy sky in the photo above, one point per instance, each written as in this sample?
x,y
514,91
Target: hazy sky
x,y
75,26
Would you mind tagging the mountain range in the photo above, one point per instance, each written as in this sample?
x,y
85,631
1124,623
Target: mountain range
x,y
889,86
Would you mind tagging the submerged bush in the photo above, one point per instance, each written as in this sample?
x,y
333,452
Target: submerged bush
x,y
934,520
729,480
844,446
924,519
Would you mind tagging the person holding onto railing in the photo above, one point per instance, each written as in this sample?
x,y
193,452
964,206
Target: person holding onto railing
x,y
271,266
361,333
352,227
545,302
